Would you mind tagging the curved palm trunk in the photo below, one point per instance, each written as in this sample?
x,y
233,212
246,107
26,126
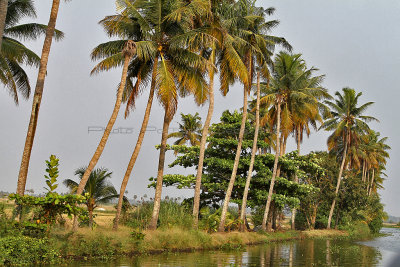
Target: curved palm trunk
x,y
204,134
3,15
372,182
253,155
274,172
37,99
296,179
161,161
139,142
338,184
228,194
129,50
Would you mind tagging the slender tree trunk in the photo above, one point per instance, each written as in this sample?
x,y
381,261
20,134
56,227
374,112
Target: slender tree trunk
x,y
253,155
3,15
221,226
314,217
90,210
277,152
204,135
338,184
367,180
37,98
296,179
372,182
128,51
363,171
161,162
138,146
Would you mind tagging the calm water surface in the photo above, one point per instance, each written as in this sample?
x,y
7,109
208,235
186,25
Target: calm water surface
x,y
379,252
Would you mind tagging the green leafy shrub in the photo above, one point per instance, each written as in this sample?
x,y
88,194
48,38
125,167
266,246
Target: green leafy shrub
x,y
100,246
24,250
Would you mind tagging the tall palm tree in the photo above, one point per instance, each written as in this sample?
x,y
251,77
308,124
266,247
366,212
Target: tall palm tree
x,y
300,94
189,130
347,123
3,15
253,155
224,55
155,26
14,53
37,98
98,188
247,23
128,52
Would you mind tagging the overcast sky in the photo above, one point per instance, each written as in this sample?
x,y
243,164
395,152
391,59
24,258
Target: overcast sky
x,y
355,43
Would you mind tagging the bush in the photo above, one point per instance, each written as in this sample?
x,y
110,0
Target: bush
x,y
18,250
172,214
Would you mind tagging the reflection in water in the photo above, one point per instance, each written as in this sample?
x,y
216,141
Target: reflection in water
x,y
296,253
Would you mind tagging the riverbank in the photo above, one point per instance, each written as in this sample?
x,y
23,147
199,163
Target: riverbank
x,y
106,244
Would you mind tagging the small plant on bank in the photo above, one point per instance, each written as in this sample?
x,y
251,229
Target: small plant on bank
x,y
52,205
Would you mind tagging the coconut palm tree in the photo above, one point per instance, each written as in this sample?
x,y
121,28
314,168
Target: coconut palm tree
x,y
98,189
128,52
347,123
253,155
155,26
37,98
14,53
189,130
247,23
301,95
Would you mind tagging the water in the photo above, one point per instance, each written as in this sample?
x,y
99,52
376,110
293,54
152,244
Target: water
x,y
379,252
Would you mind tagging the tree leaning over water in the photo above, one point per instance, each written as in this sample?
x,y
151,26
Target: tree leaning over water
x,y
347,124
37,98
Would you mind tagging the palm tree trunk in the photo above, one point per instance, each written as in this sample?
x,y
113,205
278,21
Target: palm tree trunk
x,y
139,142
90,211
277,152
367,180
296,179
253,155
161,161
3,15
372,182
228,194
338,184
204,134
37,99
129,50
363,171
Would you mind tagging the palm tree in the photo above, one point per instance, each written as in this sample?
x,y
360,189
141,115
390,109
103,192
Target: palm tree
x,y
253,155
224,55
247,23
98,189
3,15
128,52
14,53
37,98
347,123
189,130
300,94
155,26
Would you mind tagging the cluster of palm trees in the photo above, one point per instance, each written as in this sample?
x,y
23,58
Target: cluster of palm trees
x,y
177,47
